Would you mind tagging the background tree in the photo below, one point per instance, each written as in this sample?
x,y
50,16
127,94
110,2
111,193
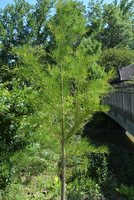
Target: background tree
x,y
68,97
115,58
117,28
41,16
14,21
111,23
21,24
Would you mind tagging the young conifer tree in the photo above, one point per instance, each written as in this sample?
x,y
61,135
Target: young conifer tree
x,y
66,92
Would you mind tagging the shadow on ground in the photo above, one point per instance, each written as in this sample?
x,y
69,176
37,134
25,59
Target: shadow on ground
x,y
104,129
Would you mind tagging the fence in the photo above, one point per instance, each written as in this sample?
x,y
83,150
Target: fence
x,y
122,106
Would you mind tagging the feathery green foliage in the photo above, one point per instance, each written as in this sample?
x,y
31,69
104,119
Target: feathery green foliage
x,y
67,95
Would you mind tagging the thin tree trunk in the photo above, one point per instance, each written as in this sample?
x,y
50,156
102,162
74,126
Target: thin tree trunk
x,y
63,169
63,189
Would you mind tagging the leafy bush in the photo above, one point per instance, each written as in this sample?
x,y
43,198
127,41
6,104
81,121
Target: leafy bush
x,y
83,187
128,192
15,132
116,58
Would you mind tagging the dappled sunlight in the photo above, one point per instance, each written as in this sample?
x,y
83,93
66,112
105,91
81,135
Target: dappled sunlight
x,y
131,137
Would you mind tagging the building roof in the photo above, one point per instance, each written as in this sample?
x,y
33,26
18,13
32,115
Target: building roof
x,y
125,74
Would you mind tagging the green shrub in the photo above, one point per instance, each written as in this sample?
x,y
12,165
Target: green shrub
x,y
116,58
127,192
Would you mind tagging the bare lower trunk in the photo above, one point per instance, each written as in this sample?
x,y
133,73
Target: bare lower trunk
x,y
63,170
63,189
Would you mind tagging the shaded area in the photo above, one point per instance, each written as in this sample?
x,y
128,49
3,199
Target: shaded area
x,y
104,129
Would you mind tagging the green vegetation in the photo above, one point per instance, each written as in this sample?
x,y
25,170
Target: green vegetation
x,y
98,177
53,76
111,24
120,158
116,58
68,94
127,191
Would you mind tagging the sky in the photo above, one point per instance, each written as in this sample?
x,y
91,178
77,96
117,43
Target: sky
x,y
3,3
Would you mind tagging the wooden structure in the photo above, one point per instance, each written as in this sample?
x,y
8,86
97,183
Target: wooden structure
x,y
121,103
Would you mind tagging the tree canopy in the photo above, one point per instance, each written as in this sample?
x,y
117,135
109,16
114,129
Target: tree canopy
x,y
112,24
54,75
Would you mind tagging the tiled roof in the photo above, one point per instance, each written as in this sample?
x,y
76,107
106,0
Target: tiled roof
x,y
125,74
